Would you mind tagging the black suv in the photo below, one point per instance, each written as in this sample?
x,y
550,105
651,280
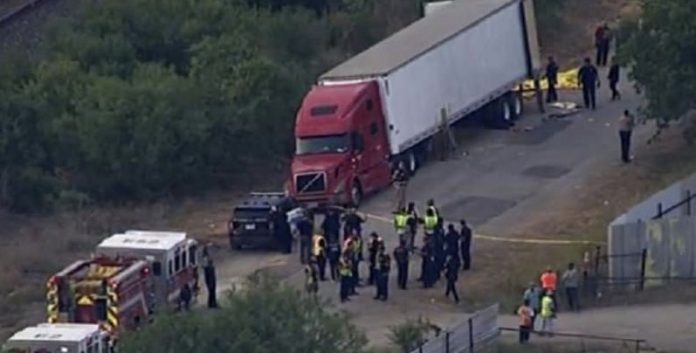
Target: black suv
x,y
250,224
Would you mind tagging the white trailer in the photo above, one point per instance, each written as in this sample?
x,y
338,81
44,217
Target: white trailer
x,y
456,60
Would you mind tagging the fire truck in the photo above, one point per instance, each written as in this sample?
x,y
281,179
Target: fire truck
x,y
59,338
115,293
173,257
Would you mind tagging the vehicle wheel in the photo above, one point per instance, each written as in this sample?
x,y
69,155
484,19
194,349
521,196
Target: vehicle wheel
x,y
506,113
356,194
517,104
412,162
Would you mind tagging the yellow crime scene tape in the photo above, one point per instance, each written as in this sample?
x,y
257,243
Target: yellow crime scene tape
x,y
507,239
566,80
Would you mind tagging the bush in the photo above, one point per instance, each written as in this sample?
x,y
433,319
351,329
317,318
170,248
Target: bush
x,y
411,334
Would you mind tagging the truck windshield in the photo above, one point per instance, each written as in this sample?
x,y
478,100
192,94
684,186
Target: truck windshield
x,y
323,144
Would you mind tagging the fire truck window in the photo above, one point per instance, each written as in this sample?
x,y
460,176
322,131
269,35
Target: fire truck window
x,y
184,259
100,309
192,255
171,268
177,263
157,268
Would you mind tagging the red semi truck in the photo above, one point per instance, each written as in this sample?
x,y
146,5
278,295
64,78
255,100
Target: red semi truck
x,y
385,104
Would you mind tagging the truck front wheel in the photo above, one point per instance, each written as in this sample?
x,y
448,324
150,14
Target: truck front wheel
x,y
356,194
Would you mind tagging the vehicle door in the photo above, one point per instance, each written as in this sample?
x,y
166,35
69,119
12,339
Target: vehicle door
x,y
373,158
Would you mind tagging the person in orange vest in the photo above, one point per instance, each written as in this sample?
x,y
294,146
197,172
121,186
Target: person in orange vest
x,y
549,282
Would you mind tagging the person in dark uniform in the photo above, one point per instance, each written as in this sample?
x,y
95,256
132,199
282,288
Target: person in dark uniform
x,y
352,223
375,244
305,228
452,242
589,80
602,44
383,276
428,266
331,226
439,252
185,295
210,282
552,80
334,255
465,245
613,77
400,182
401,254
452,274
412,223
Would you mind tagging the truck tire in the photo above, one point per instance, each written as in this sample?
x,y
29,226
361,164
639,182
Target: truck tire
x,y
498,114
412,162
517,104
356,194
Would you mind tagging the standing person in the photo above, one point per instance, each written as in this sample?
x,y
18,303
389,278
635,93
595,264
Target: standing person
x,y
210,282
533,297
525,312
311,280
401,223
452,243
305,228
552,80
427,266
185,295
613,78
571,281
319,254
465,244
345,271
356,252
334,256
626,124
352,223
430,223
383,276
549,282
436,212
373,248
401,258
605,44
548,313
589,80
439,252
281,229
452,274
331,225
400,182
600,35
412,222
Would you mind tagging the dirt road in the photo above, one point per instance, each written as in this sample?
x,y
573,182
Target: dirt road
x,y
666,327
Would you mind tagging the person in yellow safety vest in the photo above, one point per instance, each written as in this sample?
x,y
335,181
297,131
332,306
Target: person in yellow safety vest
x,y
346,272
357,257
436,212
401,223
319,253
430,222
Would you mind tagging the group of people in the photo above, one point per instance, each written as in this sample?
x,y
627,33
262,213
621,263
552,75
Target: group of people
x,y
442,252
540,300
588,78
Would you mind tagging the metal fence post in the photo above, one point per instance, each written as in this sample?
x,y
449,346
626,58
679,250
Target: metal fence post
x,y
659,210
447,343
471,335
643,260
688,202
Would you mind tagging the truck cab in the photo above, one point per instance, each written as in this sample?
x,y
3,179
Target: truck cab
x,y
59,338
342,151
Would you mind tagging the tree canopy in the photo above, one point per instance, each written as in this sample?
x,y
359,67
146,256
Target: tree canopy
x,y
135,99
661,54
264,319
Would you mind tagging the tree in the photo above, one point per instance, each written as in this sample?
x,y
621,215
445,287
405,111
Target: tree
x,y
661,55
265,318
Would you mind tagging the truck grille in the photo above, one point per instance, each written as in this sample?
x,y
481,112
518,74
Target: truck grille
x,y
315,182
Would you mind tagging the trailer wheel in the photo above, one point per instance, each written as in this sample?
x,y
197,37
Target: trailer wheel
x,y
517,104
506,113
412,162
356,194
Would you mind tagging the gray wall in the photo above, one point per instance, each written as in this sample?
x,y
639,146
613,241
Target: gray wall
x,y
670,244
